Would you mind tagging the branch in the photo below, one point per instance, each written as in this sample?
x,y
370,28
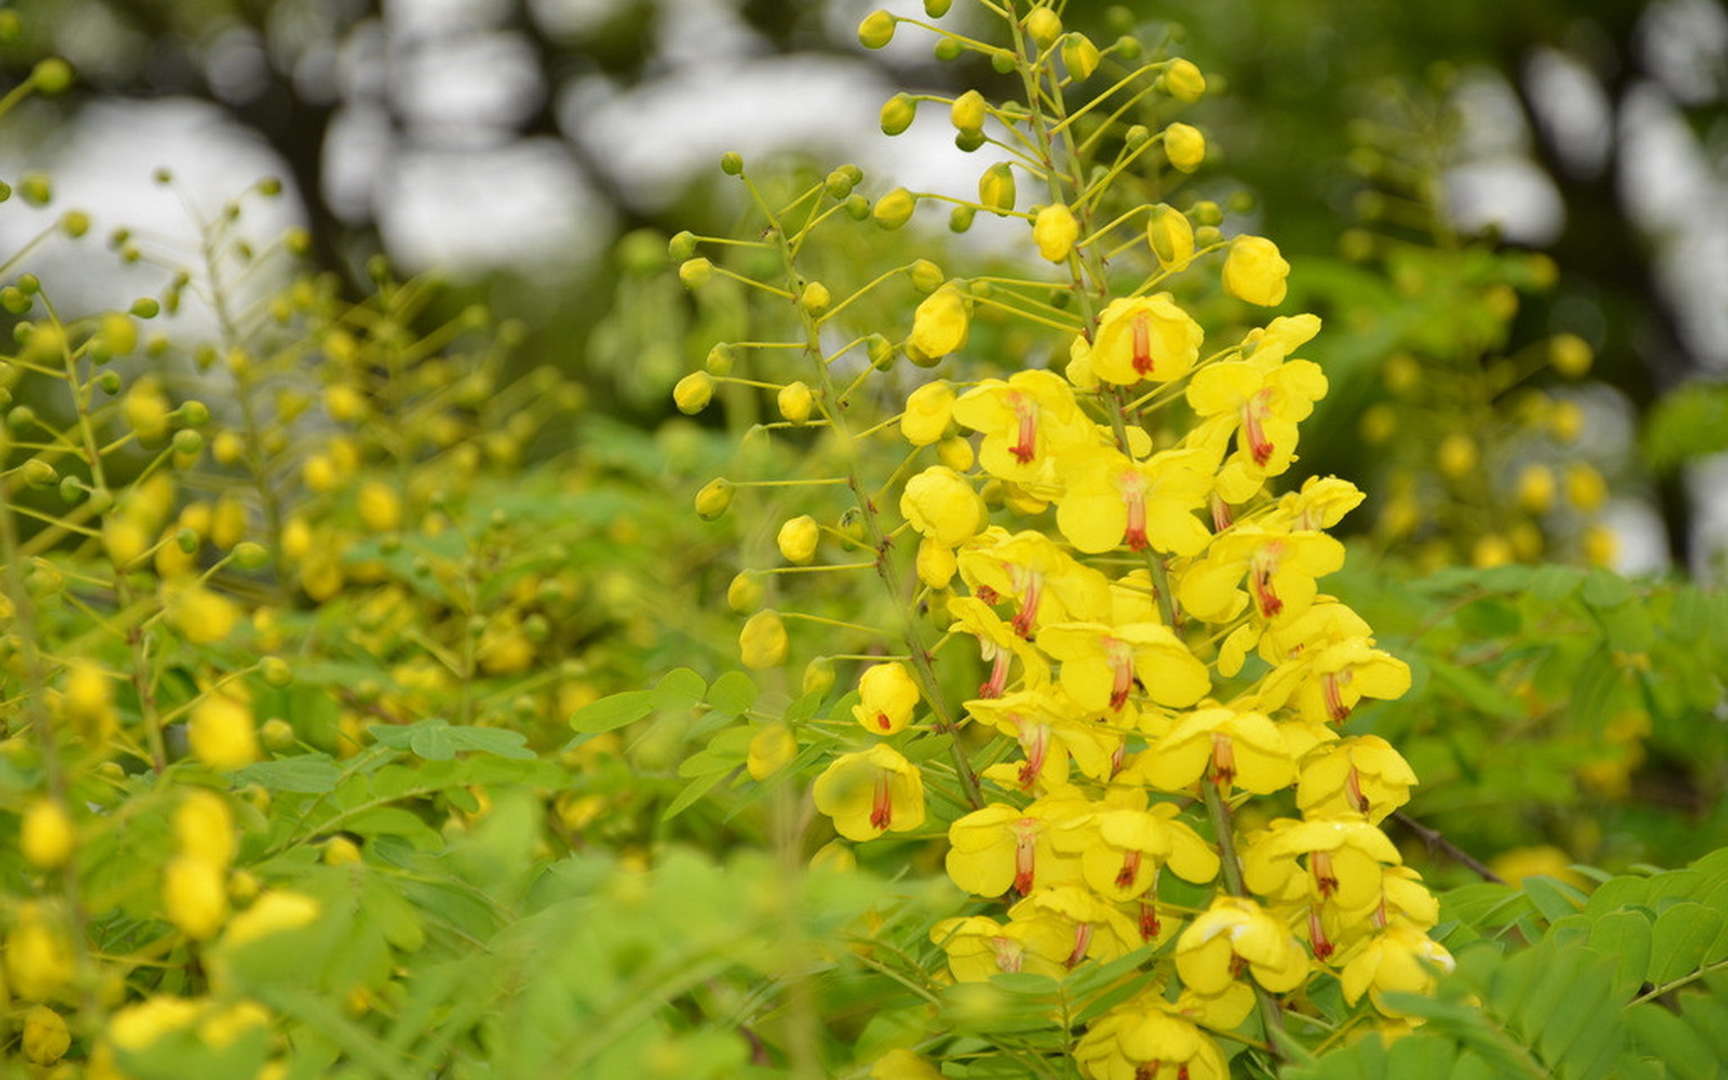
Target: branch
x,y
1436,841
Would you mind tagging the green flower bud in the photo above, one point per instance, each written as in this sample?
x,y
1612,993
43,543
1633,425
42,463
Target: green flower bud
x,y
277,733
818,676
38,473
250,555
894,209
37,189
1136,136
681,246
75,223
968,141
71,489
996,188
1002,62
876,30
188,442
694,273
693,392
192,413
947,49
145,308
1170,236
838,184
108,382
927,277
898,112
719,360
1207,235
714,499
857,207
731,163
1128,47
937,8
15,300
51,76
1206,212
960,219
187,540
881,352
29,283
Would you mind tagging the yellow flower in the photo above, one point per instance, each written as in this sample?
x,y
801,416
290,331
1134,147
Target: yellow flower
x,y
1235,929
771,748
1399,958
1254,271
1170,235
928,410
943,506
1025,421
1100,664
968,111
380,508
220,732
1585,487
1144,1040
1050,729
1536,488
38,956
1109,501
1344,859
1280,567
202,616
1146,337
998,645
1184,81
871,792
1229,748
979,947
46,1038
762,643
887,696
693,392
1096,929
1123,849
1330,681
1570,354
1028,569
1054,231
1260,404
795,401
140,1026
940,323
935,563
276,911
1321,503
195,896
999,847
1358,775
1184,146
1456,455
47,835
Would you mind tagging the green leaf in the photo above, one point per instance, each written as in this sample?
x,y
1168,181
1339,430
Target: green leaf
x,y
1606,589
1625,936
306,774
613,712
678,690
1476,691
1683,933
732,693
1554,899
692,792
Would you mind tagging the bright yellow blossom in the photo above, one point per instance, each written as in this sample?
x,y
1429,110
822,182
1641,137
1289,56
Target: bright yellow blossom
x,y
943,506
1145,1040
871,792
1144,338
1054,231
1101,664
928,410
1255,271
1399,958
1110,501
1235,929
1000,847
1024,421
887,696
1221,745
1358,775
940,323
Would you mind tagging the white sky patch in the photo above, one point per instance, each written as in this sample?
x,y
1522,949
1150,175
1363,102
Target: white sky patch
x,y
1572,106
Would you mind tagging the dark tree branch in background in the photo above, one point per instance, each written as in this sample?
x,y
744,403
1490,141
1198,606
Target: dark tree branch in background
x,y
1436,841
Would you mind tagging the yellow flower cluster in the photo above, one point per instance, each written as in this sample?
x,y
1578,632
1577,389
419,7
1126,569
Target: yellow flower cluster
x,y
1147,612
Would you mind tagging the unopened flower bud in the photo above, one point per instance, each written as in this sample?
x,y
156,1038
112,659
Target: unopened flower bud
x,y
798,539
1171,237
898,112
769,751
714,499
937,8
1207,235
881,352
955,452
1184,146
682,246
693,392
38,473
796,402
1044,25
744,594
1183,81
947,49
1079,56
51,76
894,209
814,298
694,273
818,676
1055,229
968,111
876,30
926,276
1570,354
731,163
762,643
996,188
719,359
47,834
1128,47
960,219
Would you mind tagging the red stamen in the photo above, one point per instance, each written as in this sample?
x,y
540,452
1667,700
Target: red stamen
x,y
1353,791
1320,863
1035,740
987,594
882,809
1221,517
1082,941
1331,687
1223,760
1025,856
1027,446
1130,870
1323,946
1143,344
998,680
1265,596
1028,612
1149,924
1259,446
1122,672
